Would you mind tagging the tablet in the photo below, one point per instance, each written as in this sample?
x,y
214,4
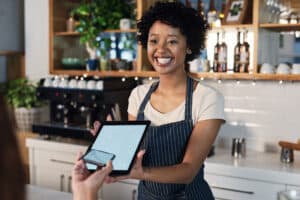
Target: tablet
x,y
118,141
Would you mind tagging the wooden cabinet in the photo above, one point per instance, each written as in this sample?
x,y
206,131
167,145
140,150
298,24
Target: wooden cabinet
x,y
64,43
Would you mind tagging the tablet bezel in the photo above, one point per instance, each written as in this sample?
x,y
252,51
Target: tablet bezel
x,y
121,172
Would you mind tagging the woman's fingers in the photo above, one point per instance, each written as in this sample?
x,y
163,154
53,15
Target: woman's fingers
x,y
96,127
139,157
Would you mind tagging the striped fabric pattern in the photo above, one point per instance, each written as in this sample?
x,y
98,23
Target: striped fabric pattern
x,y
165,145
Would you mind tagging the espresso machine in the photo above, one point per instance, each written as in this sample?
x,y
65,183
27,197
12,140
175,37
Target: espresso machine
x,y
76,102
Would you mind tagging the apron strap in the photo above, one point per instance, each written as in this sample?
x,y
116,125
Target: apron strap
x,y
153,87
188,100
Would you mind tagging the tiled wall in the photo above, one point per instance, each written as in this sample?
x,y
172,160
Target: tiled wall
x,y
263,111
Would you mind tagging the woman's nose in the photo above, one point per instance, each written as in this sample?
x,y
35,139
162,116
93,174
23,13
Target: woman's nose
x,y
161,46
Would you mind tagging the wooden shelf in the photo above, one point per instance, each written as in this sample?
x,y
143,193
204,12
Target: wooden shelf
x,y
281,27
202,75
121,73
237,26
246,76
107,31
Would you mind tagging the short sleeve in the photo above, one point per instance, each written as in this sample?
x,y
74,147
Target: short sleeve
x,y
212,106
133,103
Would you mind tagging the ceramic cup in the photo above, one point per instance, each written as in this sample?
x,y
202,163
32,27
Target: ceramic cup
x,y
91,84
47,82
64,83
283,68
296,68
125,24
55,81
267,68
99,85
73,83
82,84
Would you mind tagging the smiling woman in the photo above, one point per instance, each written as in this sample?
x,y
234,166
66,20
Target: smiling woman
x,y
185,115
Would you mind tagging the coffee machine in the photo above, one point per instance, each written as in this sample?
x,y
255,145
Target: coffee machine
x,y
76,102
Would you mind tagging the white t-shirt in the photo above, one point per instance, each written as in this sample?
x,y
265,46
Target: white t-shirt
x,y
208,103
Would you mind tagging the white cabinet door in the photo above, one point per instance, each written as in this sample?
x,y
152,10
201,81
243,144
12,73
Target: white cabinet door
x,y
293,187
225,187
119,191
53,178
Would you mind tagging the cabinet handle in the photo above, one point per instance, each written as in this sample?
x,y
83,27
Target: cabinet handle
x,y
133,194
62,177
69,183
62,162
233,190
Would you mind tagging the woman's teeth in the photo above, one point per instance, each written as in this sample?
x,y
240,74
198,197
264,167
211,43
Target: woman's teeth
x,y
163,61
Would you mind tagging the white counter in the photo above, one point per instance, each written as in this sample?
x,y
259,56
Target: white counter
x,y
34,192
256,165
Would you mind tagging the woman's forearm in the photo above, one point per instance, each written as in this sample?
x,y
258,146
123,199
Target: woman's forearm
x,y
181,174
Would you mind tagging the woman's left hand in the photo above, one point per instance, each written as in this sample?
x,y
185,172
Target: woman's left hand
x,y
137,171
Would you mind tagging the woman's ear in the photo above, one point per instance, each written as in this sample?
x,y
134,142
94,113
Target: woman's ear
x,y
188,51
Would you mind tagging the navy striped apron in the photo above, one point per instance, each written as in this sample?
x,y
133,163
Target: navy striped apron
x,y
165,145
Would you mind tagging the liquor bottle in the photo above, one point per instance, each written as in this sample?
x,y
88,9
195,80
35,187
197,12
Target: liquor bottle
x,y
188,3
200,8
216,54
222,55
237,54
212,13
245,54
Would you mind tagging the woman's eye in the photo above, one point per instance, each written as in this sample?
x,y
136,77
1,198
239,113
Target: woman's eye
x,y
173,42
152,41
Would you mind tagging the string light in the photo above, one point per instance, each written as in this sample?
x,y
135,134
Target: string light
x,y
238,82
150,78
253,83
219,81
281,82
123,79
136,78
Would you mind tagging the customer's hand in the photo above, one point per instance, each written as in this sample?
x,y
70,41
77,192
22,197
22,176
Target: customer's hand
x,y
86,185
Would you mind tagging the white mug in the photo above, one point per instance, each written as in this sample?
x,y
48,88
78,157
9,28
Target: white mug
x,y
47,82
82,84
283,68
91,84
296,68
267,68
125,24
99,85
73,83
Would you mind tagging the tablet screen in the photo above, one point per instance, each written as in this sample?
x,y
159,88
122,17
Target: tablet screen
x,y
121,139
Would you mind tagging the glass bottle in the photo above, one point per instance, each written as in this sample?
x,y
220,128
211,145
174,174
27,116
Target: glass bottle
x,y
237,54
188,3
200,8
216,54
212,13
245,54
222,59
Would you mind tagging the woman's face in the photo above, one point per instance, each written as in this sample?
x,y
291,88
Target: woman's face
x,y
166,48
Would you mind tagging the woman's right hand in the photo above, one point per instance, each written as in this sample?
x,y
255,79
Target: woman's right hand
x,y
97,124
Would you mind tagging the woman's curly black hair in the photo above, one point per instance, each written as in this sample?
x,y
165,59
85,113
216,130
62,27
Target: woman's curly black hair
x,y
190,23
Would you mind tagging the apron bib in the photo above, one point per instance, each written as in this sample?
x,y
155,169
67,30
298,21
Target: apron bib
x,y
165,145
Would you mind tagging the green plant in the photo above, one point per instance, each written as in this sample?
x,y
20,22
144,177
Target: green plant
x,y
98,15
21,93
